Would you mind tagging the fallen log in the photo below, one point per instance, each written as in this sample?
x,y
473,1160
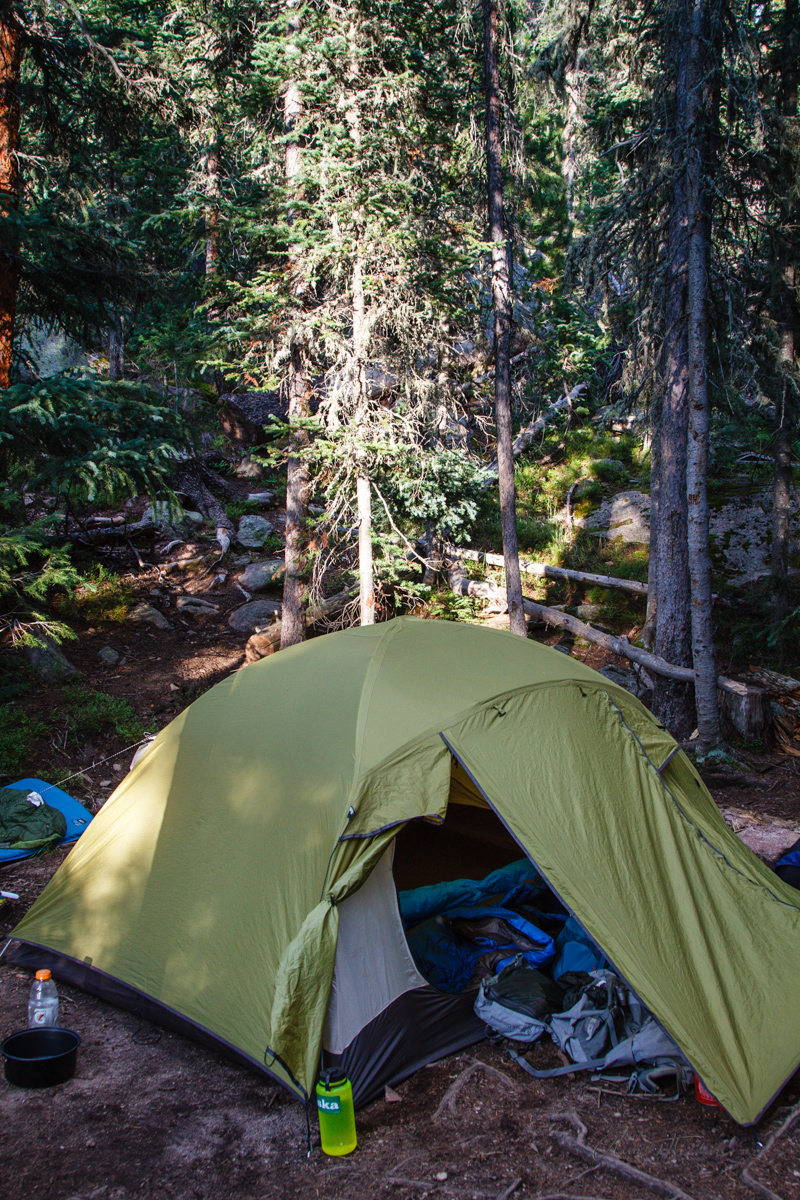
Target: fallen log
x,y
545,571
526,435
268,640
747,707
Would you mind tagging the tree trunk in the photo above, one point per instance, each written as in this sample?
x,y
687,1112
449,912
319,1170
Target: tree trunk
x,y
501,299
116,354
704,56
650,621
674,703
366,589
10,59
293,625
212,207
787,318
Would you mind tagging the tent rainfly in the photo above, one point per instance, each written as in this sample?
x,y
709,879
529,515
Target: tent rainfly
x,y
239,885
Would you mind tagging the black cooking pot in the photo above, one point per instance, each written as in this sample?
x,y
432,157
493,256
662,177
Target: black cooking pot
x,y
36,1058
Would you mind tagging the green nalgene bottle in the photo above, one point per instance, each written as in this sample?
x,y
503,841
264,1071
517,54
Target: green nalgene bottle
x,y
337,1118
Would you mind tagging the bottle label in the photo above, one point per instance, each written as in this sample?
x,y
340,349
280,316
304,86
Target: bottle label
x,y
40,1016
329,1104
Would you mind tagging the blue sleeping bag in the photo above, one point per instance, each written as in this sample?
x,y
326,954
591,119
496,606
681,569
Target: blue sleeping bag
x,y
418,904
448,961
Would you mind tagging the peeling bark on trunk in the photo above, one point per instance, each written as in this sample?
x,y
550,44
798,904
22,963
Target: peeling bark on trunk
x,y
10,61
701,112
293,625
501,298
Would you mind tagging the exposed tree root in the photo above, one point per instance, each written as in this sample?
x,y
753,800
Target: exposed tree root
x,y
577,1146
448,1101
747,1178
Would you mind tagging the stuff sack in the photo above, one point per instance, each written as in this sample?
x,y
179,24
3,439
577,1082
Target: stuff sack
x,y
27,823
518,1001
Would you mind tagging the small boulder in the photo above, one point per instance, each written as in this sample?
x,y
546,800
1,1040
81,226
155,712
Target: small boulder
x,y
627,679
610,470
261,575
108,655
258,612
769,842
182,522
49,662
193,606
588,612
254,531
145,614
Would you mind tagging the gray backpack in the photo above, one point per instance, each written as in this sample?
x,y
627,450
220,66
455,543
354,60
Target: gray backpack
x,y
607,1028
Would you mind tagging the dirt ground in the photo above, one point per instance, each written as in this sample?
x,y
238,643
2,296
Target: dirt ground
x,y
151,1115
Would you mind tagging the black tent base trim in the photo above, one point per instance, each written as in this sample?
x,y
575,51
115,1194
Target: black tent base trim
x,y
122,995
417,1028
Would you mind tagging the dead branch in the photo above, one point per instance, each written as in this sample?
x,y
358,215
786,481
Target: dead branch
x,y
509,1191
545,571
577,1147
747,1178
448,1101
525,436
463,586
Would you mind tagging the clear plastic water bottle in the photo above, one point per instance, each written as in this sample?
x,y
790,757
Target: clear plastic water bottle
x,y
43,1004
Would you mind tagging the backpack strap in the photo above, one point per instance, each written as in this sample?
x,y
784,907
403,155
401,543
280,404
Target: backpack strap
x,y
592,1065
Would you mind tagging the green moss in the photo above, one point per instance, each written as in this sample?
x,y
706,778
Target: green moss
x,y
100,596
18,732
88,712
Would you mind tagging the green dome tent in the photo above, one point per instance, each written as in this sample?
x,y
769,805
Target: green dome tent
x,y
238,885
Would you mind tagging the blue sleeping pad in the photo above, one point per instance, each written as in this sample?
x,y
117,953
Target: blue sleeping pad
x,y
76,816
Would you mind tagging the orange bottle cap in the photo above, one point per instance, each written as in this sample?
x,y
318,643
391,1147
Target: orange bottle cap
x,y
42,974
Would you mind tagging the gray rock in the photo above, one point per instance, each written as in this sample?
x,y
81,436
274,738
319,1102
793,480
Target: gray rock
x,y
145,614
769,842
193,606
257,612
261,575
50,662
588,612
182,522
626,679
626,516
610,469
108,655
254,531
